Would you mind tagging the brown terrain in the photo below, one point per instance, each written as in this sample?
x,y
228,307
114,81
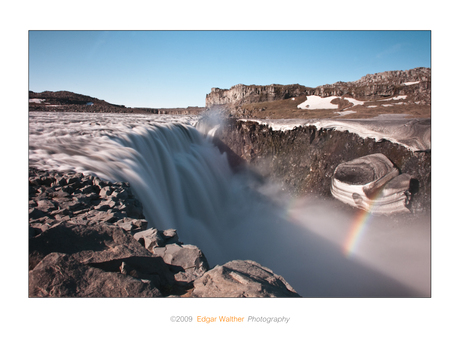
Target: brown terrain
x,y
287,109
66,101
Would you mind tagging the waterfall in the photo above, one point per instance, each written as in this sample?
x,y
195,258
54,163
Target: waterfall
x,y
185,183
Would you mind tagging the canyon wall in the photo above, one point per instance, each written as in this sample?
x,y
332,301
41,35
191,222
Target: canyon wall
x,y
415,82
303,160
244,94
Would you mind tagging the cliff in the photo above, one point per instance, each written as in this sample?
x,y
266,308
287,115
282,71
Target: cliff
x,y
415,83
303,159
244,94
88,238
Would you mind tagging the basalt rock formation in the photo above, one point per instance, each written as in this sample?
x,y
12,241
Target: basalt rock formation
x,y
415,82
304,159
244,94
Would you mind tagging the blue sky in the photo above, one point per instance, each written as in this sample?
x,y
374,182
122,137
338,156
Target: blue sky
x,y
161,69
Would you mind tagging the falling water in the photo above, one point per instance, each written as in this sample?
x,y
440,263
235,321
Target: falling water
x,y
185,183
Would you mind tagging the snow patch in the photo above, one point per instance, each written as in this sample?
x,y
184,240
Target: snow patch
x,y
346,112
411,83
317,102
36,100
393,98
354,101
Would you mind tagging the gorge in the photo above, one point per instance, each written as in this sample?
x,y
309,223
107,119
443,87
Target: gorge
x,y
255,189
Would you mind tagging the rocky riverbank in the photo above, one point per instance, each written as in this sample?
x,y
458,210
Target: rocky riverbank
x,y
89,238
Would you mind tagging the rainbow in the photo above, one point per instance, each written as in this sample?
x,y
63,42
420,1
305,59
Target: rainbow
x,y
357,229
359,226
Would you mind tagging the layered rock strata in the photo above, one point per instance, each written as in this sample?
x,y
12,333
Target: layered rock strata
x,y
415,82
88,238
372,183
303,160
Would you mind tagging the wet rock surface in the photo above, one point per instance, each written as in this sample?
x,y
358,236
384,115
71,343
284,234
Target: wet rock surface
x,y
373,184
88,238
303,160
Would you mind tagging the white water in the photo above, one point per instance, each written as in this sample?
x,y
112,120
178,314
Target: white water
x,y
185,183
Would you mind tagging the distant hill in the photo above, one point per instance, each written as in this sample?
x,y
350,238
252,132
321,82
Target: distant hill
x,y
73,102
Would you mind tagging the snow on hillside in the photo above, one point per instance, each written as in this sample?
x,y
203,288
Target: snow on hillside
x,y
36,100
317,102
394,98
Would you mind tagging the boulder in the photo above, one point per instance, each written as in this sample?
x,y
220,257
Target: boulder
x,y
242,278
187,262
150,239
170,236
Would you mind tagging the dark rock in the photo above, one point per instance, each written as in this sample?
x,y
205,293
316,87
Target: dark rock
x,y
150,239
186,261
105,191
35,213
87,189
59,275
170,236
146,268
304,159
88,244
242,278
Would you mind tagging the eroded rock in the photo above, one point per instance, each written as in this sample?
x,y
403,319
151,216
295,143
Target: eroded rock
x,y
242,278
60,275
372,183
187,262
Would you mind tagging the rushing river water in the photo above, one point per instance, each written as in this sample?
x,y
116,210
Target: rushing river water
x,y
184,182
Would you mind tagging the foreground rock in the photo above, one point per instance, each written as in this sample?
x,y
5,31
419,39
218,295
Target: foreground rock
x,y
186,261
88,238
242,278
372,183
59,275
